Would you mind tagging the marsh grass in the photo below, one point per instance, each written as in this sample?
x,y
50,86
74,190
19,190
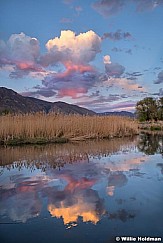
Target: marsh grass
x,y
44,128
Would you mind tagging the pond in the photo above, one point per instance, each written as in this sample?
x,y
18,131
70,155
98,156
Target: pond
x,y
87,191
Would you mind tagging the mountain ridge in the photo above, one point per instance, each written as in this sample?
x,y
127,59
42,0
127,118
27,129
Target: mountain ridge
x,y
11,101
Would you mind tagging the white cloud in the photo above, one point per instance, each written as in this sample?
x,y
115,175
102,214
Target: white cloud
x,y
78,49
23,47
106,59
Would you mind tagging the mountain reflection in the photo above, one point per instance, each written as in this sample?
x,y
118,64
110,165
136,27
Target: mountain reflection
x,y
67,178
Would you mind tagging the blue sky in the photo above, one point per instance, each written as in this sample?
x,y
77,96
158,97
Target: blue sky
x,y
104,55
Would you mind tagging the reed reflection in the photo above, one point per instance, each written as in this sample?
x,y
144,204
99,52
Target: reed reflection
x,y
57,155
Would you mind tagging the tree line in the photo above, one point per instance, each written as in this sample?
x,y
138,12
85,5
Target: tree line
x,y
150,109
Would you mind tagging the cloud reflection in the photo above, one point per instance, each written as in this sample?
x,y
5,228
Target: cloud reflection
x,y
82,203
20,201
116,180
71,190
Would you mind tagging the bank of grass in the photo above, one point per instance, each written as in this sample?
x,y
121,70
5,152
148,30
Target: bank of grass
x,y
42,128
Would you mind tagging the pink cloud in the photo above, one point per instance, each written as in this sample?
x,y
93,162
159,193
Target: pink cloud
x,y
70,67
73,93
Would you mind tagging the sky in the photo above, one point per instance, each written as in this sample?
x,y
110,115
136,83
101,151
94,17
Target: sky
x,y
104,55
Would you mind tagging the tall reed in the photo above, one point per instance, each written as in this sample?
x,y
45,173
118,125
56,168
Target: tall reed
x,y
49,126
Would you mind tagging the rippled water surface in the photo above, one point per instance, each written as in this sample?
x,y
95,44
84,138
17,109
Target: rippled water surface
x,y
82,192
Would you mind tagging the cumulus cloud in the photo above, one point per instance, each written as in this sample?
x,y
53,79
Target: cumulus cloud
x,y
114,69
77,49
159,78
20,47
22,53
118,35
109,8
73,52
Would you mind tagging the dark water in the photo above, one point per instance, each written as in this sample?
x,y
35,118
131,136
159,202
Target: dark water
x,y
82,192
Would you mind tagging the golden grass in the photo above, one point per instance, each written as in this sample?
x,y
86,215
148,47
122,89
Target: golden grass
x,y
51,126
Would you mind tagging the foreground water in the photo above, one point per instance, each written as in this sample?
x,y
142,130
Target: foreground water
x,y
82,192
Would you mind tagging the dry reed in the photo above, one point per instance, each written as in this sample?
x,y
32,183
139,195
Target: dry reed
x,y
51,126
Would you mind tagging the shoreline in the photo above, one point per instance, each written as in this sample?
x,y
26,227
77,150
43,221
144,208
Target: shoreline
x,y
63,140
58,140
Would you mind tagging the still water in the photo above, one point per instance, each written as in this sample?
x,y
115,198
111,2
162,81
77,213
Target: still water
x,y
82,192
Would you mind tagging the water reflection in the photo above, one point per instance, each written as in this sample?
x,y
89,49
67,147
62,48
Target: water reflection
x,y
81,182
123,215
160,165
151,143
117,179
20,198
84,203
60,154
